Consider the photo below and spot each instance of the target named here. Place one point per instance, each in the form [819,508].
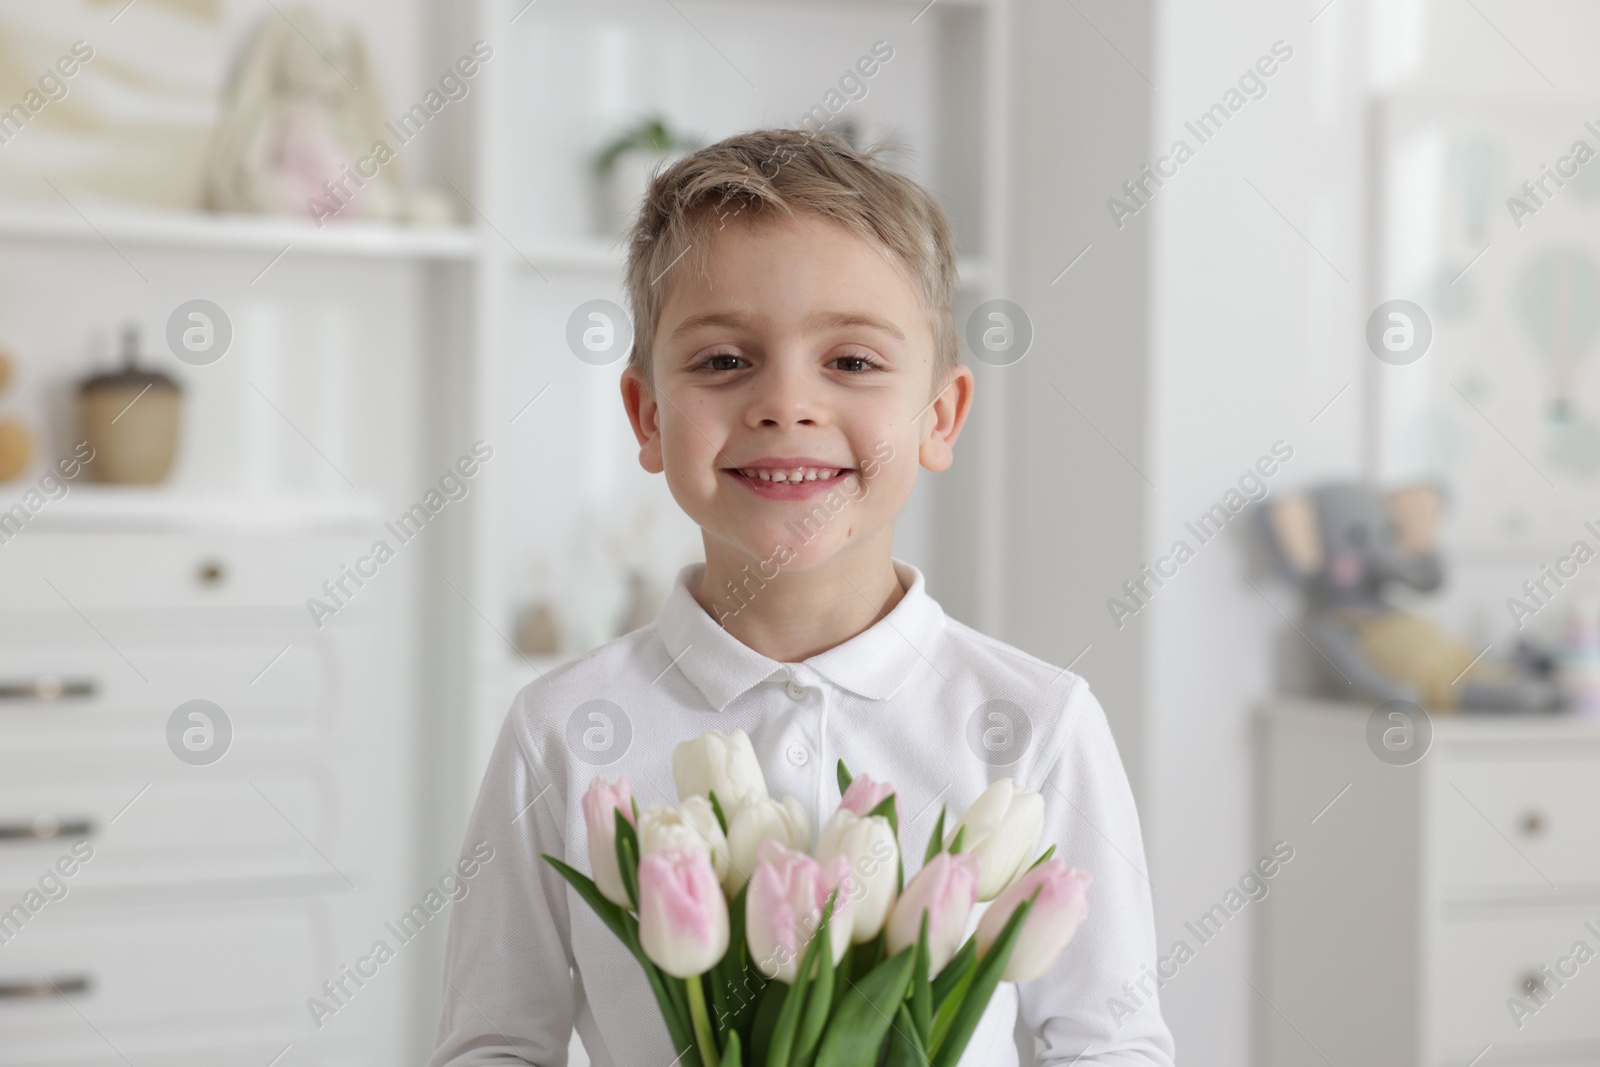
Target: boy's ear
[644,415]
[945,417]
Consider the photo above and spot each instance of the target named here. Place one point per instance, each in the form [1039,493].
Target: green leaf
[845,974]
[725,974]
[628,857]
[987,975]
[945,1010]
[905,1044]
[786,1035]
[672,1001]
[716,809]
[609,913]
[844,779]
[955,842]
[1046,854]
[730,1052]
[773,998]
[674,1010]
[819,999]
[960,966]
[741,980]
[678,990]
[886,808]
[721,1012]
[935,842]
[855,1034]
[872,956]
[921,989]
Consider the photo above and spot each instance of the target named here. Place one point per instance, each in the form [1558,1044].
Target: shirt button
[796,690]
[798,755]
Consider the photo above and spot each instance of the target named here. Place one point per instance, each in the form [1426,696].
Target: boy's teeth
[796,474]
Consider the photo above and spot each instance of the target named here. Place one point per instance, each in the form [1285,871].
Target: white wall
[1253,332]
[1248,273]
[1078,407]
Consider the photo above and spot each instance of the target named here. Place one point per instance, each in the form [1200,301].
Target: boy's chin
[786,550]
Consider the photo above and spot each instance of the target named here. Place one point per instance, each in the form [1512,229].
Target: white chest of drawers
[158,911]
[1437,911]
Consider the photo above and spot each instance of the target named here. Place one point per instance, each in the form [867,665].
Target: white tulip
[1052,920]
[691,825]
[1003,829]
[756,821]
[944,889]
[783,910]
[683,918]
[869,844]
[721,763]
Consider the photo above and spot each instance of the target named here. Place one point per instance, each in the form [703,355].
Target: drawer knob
[211,572]
[32,988]
[1533,824]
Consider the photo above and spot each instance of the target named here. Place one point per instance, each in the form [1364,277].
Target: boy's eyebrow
[820,320]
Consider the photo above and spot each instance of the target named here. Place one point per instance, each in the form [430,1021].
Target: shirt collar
[873,664]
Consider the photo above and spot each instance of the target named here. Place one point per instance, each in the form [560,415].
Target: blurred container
[130,418]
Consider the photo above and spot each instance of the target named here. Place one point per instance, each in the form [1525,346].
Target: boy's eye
[863,363]
[713,357]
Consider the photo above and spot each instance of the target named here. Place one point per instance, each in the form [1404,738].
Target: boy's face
[757,365]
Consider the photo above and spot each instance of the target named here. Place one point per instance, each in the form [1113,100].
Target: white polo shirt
[918,699]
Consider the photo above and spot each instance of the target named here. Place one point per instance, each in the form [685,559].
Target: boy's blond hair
[751,174]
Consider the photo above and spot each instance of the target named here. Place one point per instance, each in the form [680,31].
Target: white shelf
[249,233]
[89,507]
[236,233]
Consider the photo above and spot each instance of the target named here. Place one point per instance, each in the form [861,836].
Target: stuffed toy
[301,107]
[1344,544]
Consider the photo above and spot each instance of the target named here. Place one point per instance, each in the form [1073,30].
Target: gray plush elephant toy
[1344,544]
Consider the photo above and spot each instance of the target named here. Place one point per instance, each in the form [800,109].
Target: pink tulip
[1051,922]
[945,888]
[599,802]
[864,794]
[683,916]
[783,908]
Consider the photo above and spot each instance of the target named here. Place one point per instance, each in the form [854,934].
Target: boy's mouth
[789,477]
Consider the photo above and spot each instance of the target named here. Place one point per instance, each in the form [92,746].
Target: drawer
[1517,825]
[158,979]
[277,823]
[86,686]
[1481,963]
[157,570]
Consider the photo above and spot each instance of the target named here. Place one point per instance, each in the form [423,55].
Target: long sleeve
[509,994]
[1080,1010]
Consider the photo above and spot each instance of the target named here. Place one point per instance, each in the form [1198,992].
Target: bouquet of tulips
[764,950]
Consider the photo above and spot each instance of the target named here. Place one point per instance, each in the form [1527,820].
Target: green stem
[702,1022]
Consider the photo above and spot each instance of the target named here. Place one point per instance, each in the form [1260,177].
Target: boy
[795,360]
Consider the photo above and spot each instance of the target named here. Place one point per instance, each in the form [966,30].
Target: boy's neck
[796,615]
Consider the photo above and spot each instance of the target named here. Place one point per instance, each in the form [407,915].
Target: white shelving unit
[237,233]
[380,353]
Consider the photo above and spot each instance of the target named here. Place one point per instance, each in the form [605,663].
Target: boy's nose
[785,395]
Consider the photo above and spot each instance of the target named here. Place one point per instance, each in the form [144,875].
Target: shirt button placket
[796,752]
